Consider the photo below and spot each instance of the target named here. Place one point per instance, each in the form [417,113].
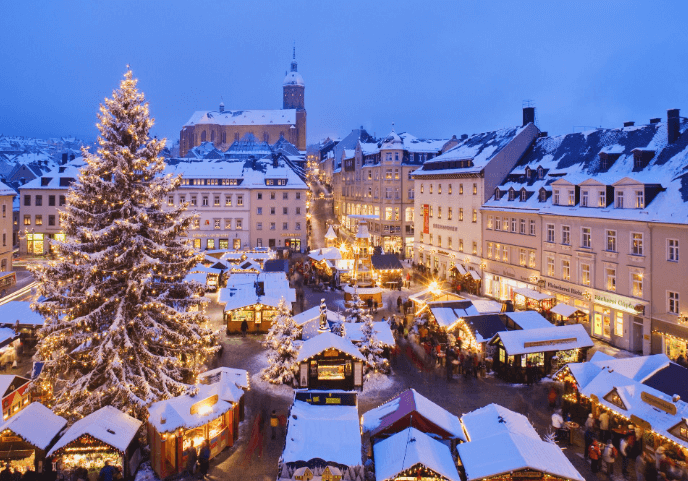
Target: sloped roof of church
[243,117]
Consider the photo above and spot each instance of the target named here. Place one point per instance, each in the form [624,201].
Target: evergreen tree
[355,309]
[370,347]
[122,327]
[282,351]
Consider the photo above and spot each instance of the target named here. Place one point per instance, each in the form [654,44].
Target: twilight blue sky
[433,68]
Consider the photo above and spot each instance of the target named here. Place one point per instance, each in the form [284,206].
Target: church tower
[293,87]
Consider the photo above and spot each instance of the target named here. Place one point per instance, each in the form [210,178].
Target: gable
[680,430]
[614,398]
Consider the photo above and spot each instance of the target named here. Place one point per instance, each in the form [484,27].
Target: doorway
[637,335]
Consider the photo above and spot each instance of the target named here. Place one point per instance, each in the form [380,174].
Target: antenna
[294,51]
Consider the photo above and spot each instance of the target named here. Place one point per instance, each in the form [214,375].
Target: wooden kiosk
[177,425]
[105,435]
[328,361]
[27,436]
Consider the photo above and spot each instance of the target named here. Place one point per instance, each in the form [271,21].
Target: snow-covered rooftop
[446,313]
[21,311]
[242,117]
[502,441]
[528,319]
[545,339]
[108,424]
[36,424]
[382,331]
[7,381]
[329,432]
[405,403]
[411,447]
[325,341]
[241,290]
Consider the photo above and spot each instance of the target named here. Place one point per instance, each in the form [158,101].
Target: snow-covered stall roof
[564,310]
[325,341]
[532,294]
[10,383]
[330,234]
[485,306]
[446,313]
[224,374]
[363,291]
[241,290]
[36,424]
[201,268]
[314,314]
[528,319]
[547,339]
[108,424]
[199,277]
[329,432]
[171,414]
[7,335]
[405,403]
[326,253]
[430,295]
[21,311]
[382,331]
[411,447]
[502,441]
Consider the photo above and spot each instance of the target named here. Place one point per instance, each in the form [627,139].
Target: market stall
[365,293]
[431,294]
[504,446]
[568,314]
[177,425]
[541,349]
[104,435]
[19,316]
[208,276]
[232,378]
[474,332]
[387,270]
[412,454]
[525,298]
[309,321]
[27,436]
[634,394]
[328,361]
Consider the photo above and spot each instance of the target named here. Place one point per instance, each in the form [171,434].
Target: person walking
[399,303]
[107,473]
[375,306]
[204,459]
[552,397]
[191,459]
[594,453]
[370,305]
[244,328]
[604,425]
[449,359]
[476,365]
[588,438]
[467,366]
[608,458]
[274,422]
[557,424]
[624,449]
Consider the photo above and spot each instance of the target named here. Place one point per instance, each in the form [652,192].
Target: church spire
[293,59]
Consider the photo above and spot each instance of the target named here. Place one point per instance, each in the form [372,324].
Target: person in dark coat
[370,305]
[244,327]
[192,457]
[450,363]
[399,303]
[204,459]
[107,473]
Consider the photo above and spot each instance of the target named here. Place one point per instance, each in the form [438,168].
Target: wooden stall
[328,361]
[541,349]
[387,270]
[563,313]
[177,425]
[365,293]
[26,437]
[529,299]
[104,435]
[15,394]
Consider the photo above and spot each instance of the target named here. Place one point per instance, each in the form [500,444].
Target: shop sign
[641,422]
[443,253]
[550,342]
[568,290]
[616,303]
[527,474]
[426,219]
[331,353]
[654,401]
[11,439]
[206,403]
[445,227]
[291,235]
[333,400]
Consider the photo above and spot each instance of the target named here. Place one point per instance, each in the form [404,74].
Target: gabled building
[597,219]
[450,188]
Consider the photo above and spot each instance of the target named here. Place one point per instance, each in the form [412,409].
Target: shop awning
[460,269]
[564,310]
[531,294]
[474,275]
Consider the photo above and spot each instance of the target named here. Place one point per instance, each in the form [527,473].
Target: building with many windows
[6,219]
[374,179]
[451,188]
[596,220]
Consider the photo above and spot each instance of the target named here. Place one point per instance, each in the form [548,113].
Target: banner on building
[426,219]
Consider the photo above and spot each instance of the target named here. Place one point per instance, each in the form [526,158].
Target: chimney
[673,124]
[222,106]
[528,115]
[629,124]
[656,120]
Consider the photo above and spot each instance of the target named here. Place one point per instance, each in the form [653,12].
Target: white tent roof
[324,341]
[328,432]
[330,234]
[326,253]
[36,424]
[531,294]
[564,310]
[409,447]
[485,306]
[547,339]
[108,424]
[528,319]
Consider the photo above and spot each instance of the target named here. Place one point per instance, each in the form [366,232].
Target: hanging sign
[550,342]
[654,401]
[206,403]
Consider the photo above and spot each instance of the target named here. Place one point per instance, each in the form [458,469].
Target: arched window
[498,194]
[203,136]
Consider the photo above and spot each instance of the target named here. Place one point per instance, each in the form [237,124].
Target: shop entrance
[603,319]
[637,338]
[293,244]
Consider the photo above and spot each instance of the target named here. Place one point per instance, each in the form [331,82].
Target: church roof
[293,78]
[243,117]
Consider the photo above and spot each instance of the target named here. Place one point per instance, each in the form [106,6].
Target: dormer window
[572,197]
[584,198]
[640,199]
[524,195]
[613,397]
[543,195]
[619,199]
[528,173]
[602,202]
[555,201]
[540,172]
[512,194]
[498,194]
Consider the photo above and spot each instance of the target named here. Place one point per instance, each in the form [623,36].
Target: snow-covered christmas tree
[122,327]
[355,308]
[282,351]
[370,347]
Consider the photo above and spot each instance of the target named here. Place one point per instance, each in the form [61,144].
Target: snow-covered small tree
[122,327]
[355,308]
[371,348]
[282,351]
